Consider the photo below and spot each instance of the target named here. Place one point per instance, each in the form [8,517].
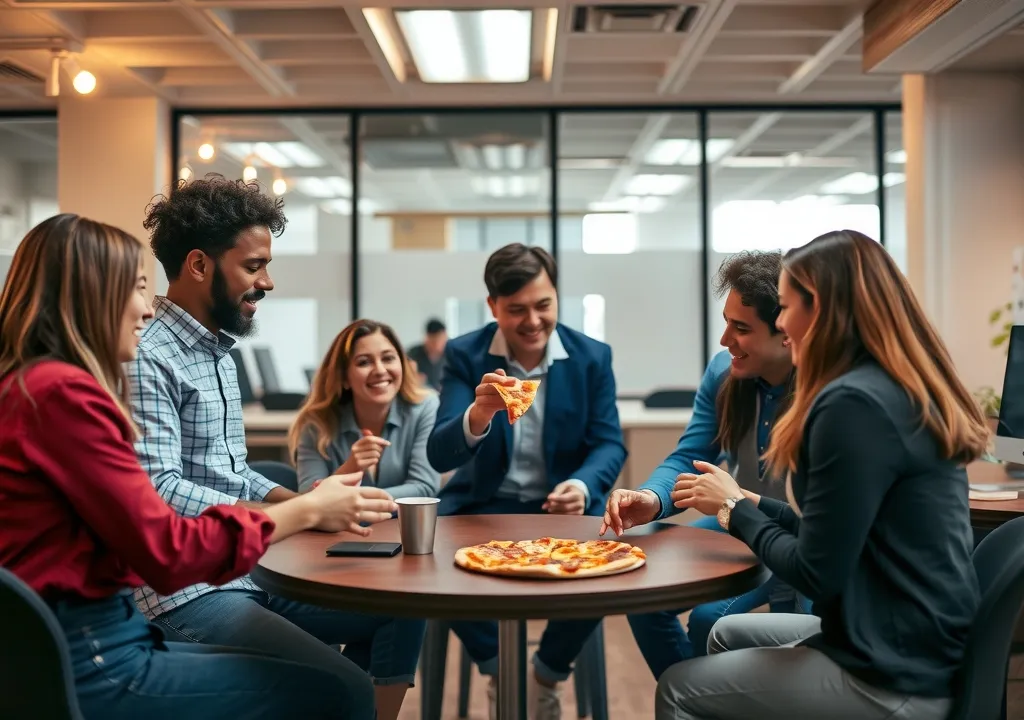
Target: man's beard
[226,312]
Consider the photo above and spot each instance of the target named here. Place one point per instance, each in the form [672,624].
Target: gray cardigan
[403,470]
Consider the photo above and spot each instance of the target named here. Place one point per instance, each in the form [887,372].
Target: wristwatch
[725,512]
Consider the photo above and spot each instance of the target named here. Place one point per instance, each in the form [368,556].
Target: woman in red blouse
[81,524]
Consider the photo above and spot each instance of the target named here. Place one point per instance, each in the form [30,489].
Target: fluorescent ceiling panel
[468,46]
[276,154]
[499,186]
[344,207]
[684,151]
[790,160]
[656,184]
[324,187]
[630,203]
[860,183]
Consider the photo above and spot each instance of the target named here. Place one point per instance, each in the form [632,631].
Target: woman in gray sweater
[367,412]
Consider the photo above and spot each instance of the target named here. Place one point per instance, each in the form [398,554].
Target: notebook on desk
[977,492]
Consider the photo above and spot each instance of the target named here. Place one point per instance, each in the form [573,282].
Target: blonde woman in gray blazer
[367,412]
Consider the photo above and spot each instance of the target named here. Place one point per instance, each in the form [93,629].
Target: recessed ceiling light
[469,46]
[657,184]
[324,187]
[860,183]
[684,151]
[275,154]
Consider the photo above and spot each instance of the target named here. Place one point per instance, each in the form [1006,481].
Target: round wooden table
[685,567]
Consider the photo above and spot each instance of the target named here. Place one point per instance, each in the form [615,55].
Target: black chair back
[284,475]
[267,369]
[244,384]
[35,663]
[675,398]
[999,564]
[282,400]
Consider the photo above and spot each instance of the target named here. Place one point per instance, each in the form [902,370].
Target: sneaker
[544,703]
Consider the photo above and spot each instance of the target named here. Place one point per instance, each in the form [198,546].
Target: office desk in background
[649,434]
[990,514]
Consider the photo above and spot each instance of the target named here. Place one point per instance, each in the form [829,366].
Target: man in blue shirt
[562,457]
[744,389]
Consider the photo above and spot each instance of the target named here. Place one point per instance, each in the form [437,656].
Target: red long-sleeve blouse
[79,516]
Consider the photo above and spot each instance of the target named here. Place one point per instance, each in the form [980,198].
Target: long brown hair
[755,278]
[862,306]
[328,391]
[65,298]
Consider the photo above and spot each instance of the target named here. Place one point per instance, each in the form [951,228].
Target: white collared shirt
[527,477]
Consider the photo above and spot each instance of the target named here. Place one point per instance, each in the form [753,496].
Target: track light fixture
[83,81]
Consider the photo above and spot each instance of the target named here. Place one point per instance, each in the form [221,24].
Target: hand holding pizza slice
[518,398]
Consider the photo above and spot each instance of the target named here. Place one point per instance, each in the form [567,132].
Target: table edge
[442,606]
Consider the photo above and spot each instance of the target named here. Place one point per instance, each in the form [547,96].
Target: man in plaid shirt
[213,238]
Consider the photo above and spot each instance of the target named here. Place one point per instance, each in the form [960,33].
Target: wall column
[964,138]
[114,155]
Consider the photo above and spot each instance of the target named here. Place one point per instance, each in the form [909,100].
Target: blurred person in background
[428,356]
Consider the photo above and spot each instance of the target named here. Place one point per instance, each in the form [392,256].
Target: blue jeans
[662,640]
[561,641]
[124,670]
[386,648]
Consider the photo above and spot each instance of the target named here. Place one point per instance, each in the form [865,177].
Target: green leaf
[1000,339]
[993,318]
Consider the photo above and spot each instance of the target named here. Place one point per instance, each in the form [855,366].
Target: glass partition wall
[28,178]
[392,213]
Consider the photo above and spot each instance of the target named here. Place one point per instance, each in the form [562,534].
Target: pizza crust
[518,398]
[550,558]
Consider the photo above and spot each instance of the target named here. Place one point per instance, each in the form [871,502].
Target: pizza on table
[518,398]
[551,558]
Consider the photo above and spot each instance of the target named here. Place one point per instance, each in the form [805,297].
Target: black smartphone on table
[364,549]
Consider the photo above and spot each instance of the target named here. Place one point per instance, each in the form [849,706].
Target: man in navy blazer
[562,457]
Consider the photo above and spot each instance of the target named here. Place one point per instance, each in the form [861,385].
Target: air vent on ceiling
[659,18]
[9,72]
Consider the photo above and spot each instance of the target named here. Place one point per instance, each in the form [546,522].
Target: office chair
[673,398]
[284,475]
[282,400]
[244,385]
[980,692]
[36,680]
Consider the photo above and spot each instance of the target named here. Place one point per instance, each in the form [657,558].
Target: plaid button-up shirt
[185,399]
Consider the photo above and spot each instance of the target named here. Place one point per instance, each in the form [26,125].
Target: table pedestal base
[511,670]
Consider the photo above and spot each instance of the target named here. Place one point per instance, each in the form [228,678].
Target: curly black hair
[208,215]
[755,276]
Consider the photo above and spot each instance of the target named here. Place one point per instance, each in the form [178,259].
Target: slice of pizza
[518,398]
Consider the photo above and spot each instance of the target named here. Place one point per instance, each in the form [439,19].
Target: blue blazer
[582,434]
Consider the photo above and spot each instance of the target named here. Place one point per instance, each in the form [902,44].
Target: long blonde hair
[861,305]
[65,298]
[328,391]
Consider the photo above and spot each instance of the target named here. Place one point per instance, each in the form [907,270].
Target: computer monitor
[267,369]
[1009,440]
[244,386]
